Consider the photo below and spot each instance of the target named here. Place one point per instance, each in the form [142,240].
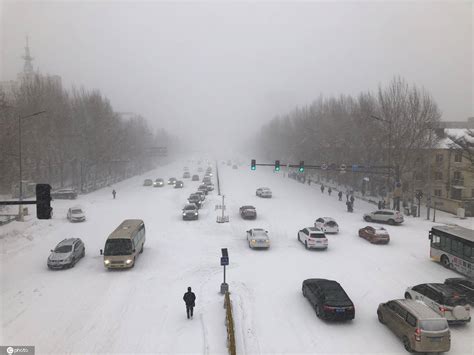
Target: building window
[458,157]
[439,158]
[437,192]
[457,175]
[438,175]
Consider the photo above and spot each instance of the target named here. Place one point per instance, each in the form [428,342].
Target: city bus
[453,247]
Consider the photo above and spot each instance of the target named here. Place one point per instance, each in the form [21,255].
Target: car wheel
[298,236]
[306,244]
[318,311]
[367,219]
[407,296]
[391,222]
[141,251]
[406,344]
[445,261]
[133,265]
[380,317]
[83,253]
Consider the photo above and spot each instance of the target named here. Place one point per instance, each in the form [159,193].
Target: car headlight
[129,261]
[184,213]
[106,262]
[195,213]
[253,240]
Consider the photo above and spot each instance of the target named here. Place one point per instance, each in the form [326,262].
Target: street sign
[224,260]
[355,167]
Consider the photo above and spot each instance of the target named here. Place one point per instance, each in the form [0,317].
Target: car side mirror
[266,231]
[52,251]
[101,252]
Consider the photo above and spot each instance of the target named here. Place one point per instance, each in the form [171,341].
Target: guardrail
[229,322]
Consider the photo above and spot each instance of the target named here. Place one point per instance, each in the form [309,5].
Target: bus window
[436,241]
[468,252]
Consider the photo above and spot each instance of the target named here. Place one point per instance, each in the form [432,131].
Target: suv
[263,192]
[66,254]
[462,285]
[203,188]
[327,224]
[312,237]
[172,181]
[159,183]
[248,212]
[419,327]
[76,214]
[190,211]
[69,194]
[443,299]
[195,178]
[195,199]
[388,216]
[178,184]
[328,299]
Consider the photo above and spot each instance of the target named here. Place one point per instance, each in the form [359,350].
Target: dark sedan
[463,286]
[195,199]
[178,184]
[328,299]
[248,212]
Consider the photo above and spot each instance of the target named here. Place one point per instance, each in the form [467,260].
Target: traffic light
[301,166]
[253,164]
[43,201]
[277,165]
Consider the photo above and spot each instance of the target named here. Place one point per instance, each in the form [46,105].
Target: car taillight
[442,309]
[418,334]
[328,308]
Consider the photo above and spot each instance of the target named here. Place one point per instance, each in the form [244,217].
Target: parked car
[178,184]
[375,235]
[263,192]
[186,175]
[148,182]
[76,214]
[443,299]
[195,199]
[203,188]
[201,194]
[385,216]
[248,212]
[159,183]
[185,168]
[420,328]
[172,181]
[64,194]
[258,238]
[327,225]
[66,254]
[464,286]
[328,299]
[195,178]
[313,237]
[190,211]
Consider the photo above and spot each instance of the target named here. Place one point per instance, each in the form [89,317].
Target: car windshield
[76,211]
[259,233]
[331,224]
[63,249]
[189,208]
[433,325]
[317,235]
[118,247]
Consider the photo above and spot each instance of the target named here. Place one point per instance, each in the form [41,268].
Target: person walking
[340,195]
[379,205]
[383,204]
[114,193]
[329,191]
[189,298]
[322,188]
[352,200]
[309,181]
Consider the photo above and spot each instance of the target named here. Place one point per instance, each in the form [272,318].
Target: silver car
[263,192]
[385,216]
[66,254]
[76,214]
[258,238]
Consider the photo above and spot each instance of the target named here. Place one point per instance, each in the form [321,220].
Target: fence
[229,322]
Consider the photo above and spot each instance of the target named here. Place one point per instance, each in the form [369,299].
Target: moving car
[328,299]
[148,182]
[76,214]
[327,225]
[195,199]
[385,216]
[195,178]
[210,186]
[375,235]
[172,181]
[443,299]
[201,194]
[178,184]
[248,212]
[312,237]
[124,244]
[263,192]
[66,254]
[419,327]
[203,188]
[190,211]
[464,286]
[206,180]
[258,238]
[186,175]
[159,183]
[67,194]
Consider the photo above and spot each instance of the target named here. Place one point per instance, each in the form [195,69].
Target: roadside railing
[229,322]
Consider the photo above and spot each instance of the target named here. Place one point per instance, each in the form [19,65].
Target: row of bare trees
[79,141]
[392,125]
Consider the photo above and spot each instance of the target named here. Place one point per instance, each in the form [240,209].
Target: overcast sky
[224,68]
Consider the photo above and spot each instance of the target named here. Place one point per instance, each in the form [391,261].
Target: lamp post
[20,212]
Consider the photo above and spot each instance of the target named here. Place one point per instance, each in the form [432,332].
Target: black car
[248,212]
[172,181]
[195,178]
[328,299]
[190,211]
[67,194]
[196,199]
[463,286]
[178,184]
[203,188]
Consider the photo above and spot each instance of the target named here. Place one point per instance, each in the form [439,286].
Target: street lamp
[20,212]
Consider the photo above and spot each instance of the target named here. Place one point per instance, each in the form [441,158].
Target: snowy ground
[88,309]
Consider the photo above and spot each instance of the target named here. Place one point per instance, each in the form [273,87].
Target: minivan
[124,244]
[419,327]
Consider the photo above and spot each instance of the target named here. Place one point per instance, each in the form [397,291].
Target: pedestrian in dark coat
[379,205]
[329,190]
[189,298]
[340,195]
[322,188]
[352,200]
[383,204]
[309,182]
[114,193]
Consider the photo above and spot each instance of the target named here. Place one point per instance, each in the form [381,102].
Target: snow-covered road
[88,309]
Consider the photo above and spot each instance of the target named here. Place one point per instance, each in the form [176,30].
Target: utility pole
[428,202]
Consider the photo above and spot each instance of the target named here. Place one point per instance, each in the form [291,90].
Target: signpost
[224,263]
[223,218]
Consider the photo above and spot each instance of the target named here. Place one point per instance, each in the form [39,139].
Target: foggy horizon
[214,73]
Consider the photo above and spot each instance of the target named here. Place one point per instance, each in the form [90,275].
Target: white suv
[313,237]
[388,216]
[327,224]
[263,192]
